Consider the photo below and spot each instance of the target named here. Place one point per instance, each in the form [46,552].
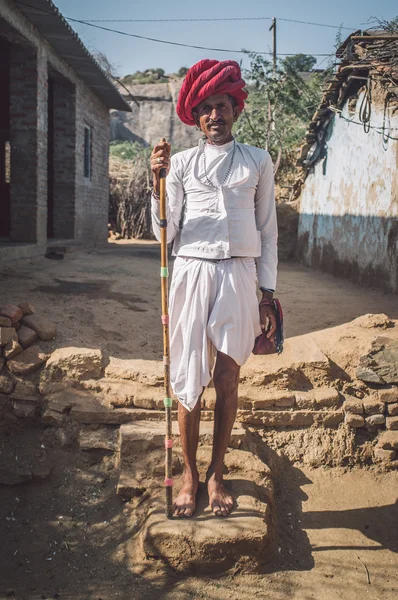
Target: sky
[128,54]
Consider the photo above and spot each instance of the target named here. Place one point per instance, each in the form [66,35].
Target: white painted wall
[349,204]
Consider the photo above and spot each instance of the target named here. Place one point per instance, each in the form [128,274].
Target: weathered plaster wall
[349,204]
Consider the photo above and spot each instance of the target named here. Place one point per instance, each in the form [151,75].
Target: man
[221,217]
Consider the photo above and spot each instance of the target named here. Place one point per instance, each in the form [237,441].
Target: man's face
[215,117]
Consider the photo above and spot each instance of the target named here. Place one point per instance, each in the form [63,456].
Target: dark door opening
[5,167]
[50,161]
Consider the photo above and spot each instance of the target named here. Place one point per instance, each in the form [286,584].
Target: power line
[143,37]
[215,19]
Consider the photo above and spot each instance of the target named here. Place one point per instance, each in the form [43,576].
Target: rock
[353,405]
[380,364]
[27,361]
[94,413]
[375,420]
[27,308]
[6,384]
[370,321]
[142,371]
[388,395]
[52,418]
[26,336]
[128,486]
[372,405]
[25,410]
[316,398]
[297,418]
[44,328]
[354,420]
[12,312]
[63,400]
[7,334]
[392,423]
[100,439]
[392,409]
[12,348]
[74,363]
[2,362]
[25,392]
[274,398]
[384,455]
[5,322]
[388,440]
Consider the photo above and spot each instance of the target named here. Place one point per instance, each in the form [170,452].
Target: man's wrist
[267,293]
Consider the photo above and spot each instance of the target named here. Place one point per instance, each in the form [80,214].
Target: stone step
[146,436]
[205,543]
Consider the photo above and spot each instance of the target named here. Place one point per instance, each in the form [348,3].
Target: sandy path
[110,298]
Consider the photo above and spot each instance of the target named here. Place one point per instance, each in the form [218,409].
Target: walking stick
[164,278]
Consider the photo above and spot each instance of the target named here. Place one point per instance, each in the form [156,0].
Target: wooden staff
[164,275]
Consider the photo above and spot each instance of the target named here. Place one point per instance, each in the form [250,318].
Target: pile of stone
[20,330]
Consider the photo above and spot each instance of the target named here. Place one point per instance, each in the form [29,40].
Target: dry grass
[130,197]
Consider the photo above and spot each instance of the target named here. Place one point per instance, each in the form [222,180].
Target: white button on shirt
[236,219]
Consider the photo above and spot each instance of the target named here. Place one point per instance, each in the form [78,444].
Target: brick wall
[80,204]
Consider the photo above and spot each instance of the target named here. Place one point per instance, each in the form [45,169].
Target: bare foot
[220,500]
[185,503]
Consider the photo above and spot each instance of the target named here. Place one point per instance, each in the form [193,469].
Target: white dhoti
[213,307]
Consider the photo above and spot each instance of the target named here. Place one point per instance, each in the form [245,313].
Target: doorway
[5,151]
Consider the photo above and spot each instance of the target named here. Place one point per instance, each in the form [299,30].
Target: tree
[279,107]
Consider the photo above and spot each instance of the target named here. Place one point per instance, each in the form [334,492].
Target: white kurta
[213,305]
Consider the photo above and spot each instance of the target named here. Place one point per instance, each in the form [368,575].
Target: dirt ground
[70,536]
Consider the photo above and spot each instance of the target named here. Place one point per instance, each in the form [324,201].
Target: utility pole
[273,27]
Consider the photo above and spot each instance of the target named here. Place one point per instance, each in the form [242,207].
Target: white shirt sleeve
[174,202]
[265,212]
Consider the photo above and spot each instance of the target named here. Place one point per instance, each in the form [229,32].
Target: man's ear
[237,112]
[196,118]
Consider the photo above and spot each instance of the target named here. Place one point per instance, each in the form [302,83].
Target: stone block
[99,439]
[25,410]
[354,420]
[128,486]
[6,384]
[329,418]
[27,308]
[372,405]
[392,423]
[392,409]
[388,395]
[274,398]
[12,348]
[27,361]
[317,398]
[26,336]
[63,400]
[142,371]
[375,420]
[382,455]
[93,413]
[12,312]
[73,363]
[7,334]
[46,330]
[353,406]
[5,322]
[53,418]
[25,392]
[388,440]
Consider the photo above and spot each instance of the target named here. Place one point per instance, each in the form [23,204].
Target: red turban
[207,78]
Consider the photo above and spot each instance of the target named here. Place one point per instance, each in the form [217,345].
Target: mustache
[216,122]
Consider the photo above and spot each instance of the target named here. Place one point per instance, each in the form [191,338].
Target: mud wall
[349,204]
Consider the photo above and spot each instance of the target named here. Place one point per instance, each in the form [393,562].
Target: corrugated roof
[47,19]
